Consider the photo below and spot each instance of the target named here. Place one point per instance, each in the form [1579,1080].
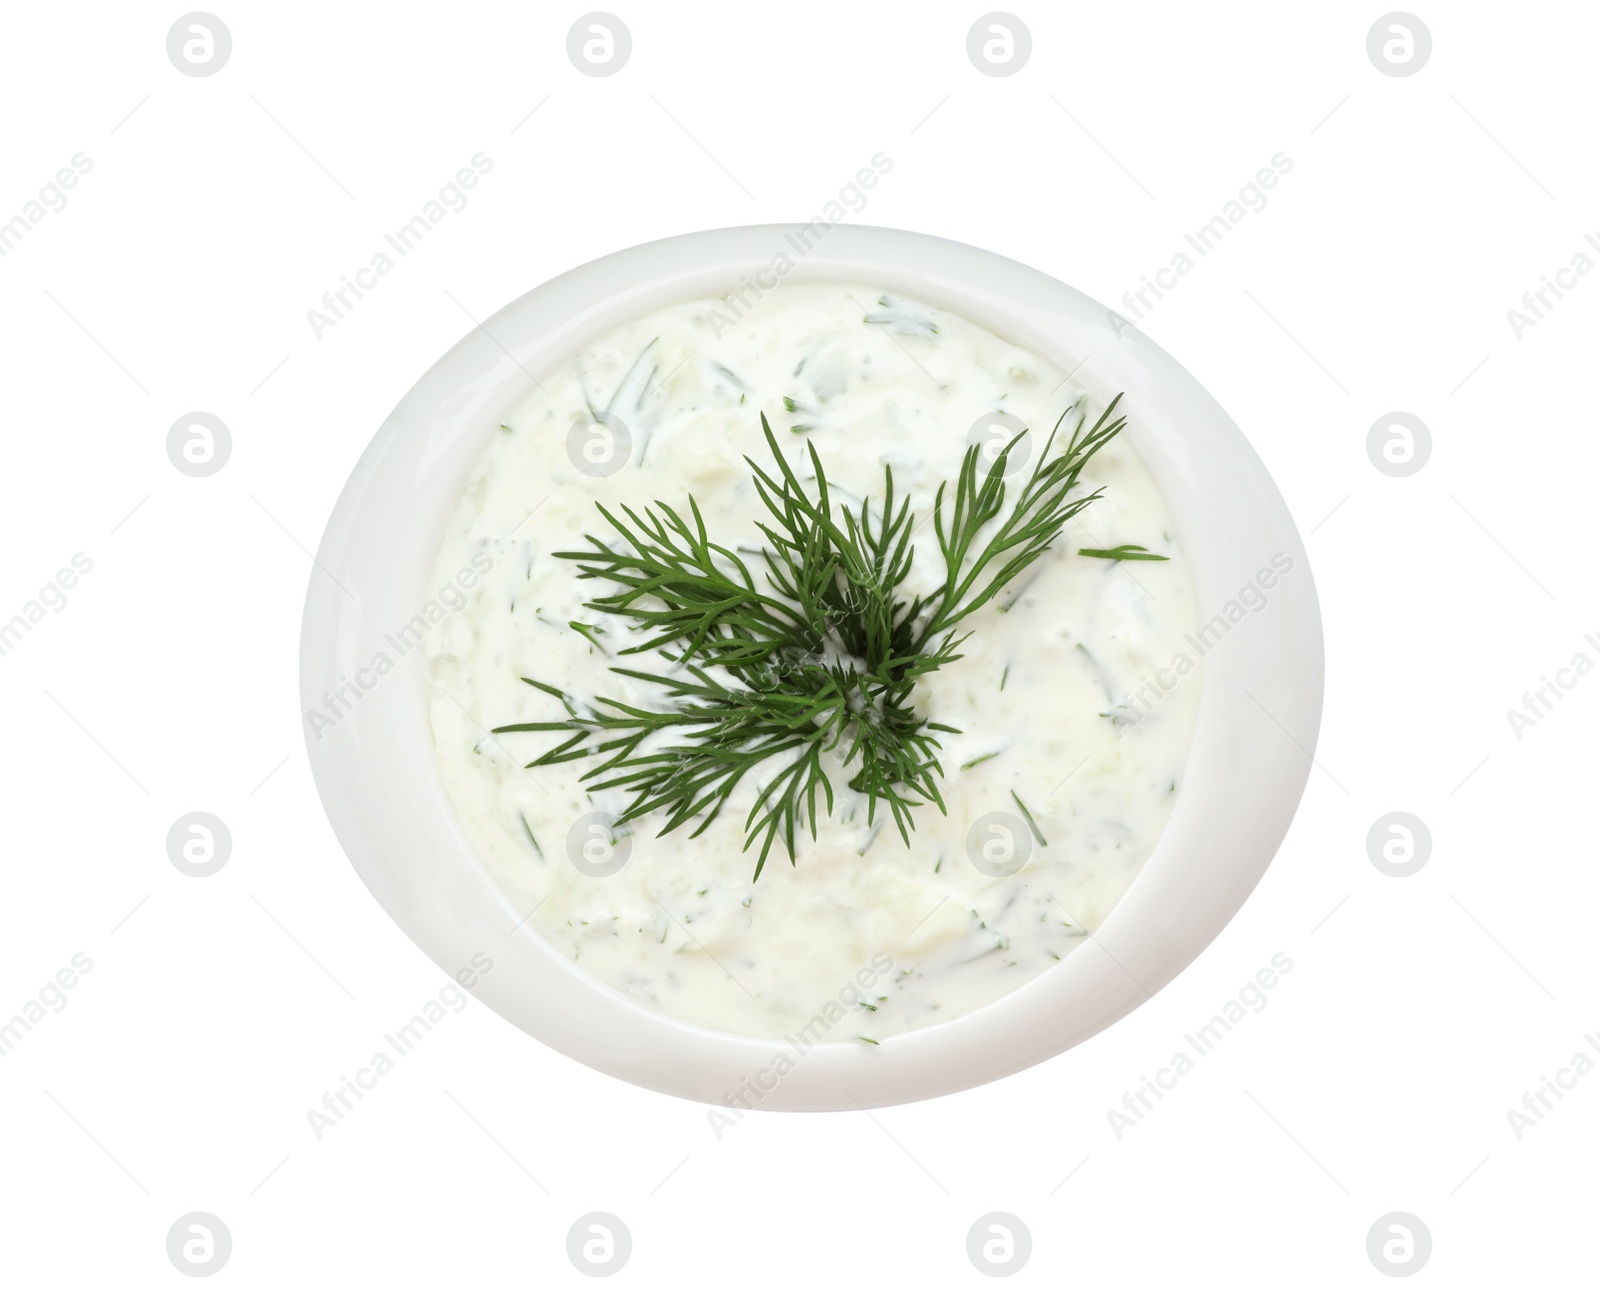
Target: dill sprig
[820,657]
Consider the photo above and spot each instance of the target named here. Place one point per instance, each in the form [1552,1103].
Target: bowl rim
[1255,734]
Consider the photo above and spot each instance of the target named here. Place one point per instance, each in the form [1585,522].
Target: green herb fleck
[590,633]
[528,829]
[1127,551]
[1028,816]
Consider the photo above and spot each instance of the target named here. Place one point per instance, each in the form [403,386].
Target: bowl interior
[1260,666]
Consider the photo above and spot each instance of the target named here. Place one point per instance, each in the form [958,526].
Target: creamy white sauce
[1041,694]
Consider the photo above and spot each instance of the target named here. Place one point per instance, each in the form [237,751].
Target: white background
[219,1010]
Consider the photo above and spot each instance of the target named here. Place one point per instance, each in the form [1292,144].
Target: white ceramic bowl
[1259,709]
